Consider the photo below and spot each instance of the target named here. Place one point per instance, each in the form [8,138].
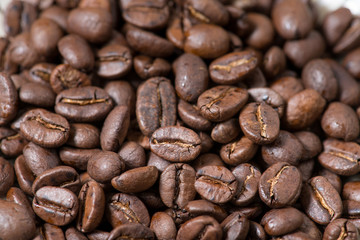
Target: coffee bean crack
[233,64]
[322,201]
[212,180]
[344,156]
[273,181]
[128,212]
[198,15]
[49,125]
[248,177]
[263,125]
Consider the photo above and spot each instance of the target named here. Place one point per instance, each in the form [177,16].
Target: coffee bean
[7,176]
[45,128]
[207,159]
[104,166]
[175,144]
[57,14]
[349,39]
[260,123]
[73,233]
[280,185]
[333,178]
[147,67]
[158,221]
[321,201]
[274,61]
[37,94]
[209,11]
[263,31]
[341,228]
[83,136]
[190,114]
[226,131]
[19,197]
[122,93]
[22,52]
[270,97]
[77,158]
[256,231]
[239,151]
[131,231]
[222,102]
[287,87]
[24,175]
[335,24]
[235,226]
[155,105]
[133,155]
[40,73]
[8,99]
[351,191]
[351,62]
[202,227]
[55,205]
[311,144]
[84,104]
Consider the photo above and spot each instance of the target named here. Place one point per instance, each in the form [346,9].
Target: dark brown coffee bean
[302,51]
[122,93]
[340,121]
[216,184]
[274,61]
[175,31]
[151,199]
[83,136]
[175,144]
[149,43]
[73,233]
[296,117]
[18,80]
[286,148]
[15,222]
[201,207]
[158,162]
[104,166]
[226,131]
[222,102]
[260,123]
[239,151]
[77,52]
[8,99]
[202,227]
[136,180]
[209,11]
[207,41]
[235,226]
[147,67]
[341,228]
[60,176]
[18,17]
[37,94]
[207,159]
[115,128]
[55,205]
[191,116]
[349,39]
[93,24]
[91,206]
[163,226]
[123,208]
[287,87]
[40,73]
[263,31]
[333,178]
[7,176]
[45,128]
[292,19]
[176,185]
[256,231]
[282,221]
[233,67]
[351,62]
[131,231]
[311,143]
[83,104]
[248,178]
[206,142]
[57,14]
[77,158]
[191,76]
[18,196]
[24,175]
[340,157]
[65,76]
[270,97]
[351,209]
[98,235]
[280,185]
[45,35]
[351,191]
[22,52]
[335,23]
[133,155]
[320,200]
[155,105]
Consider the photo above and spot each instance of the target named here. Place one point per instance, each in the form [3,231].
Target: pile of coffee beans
[179,119]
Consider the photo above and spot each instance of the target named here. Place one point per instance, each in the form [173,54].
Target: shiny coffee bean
[131,231]
[190,115]
[37,94]
[239,151]
[147,67]
[8,99]
[235,226]
[163,226]
[202,227]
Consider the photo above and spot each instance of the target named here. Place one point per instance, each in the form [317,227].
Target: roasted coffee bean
[260,123]
[207,41]
[57,14]
[349,39]
[12,146]
[104,166]
[280,185]
[131,231]
[233,67]
[55,205]
[45,35]
[201,207]
[18,17]
[239,151]
[136,180]
[190,115]
[45,128]
[341,228]
[256,231]
[176,32]
[77,52]
[351,209]
[18,196]
[83,104]
[122,208]
[115,128]
[151,199]
[158,162]
[318,75]
[207,159]
[235,226]
[340,121]
[113,61]
[270,97]
[24,175]
[163,226]
[37,94]
[77,158]
[191,76]
[176,185]
[149,43]
[216,184]
[147,67]
[133,155]
[320,200]
[340,157]
[351,191]
[122,93]
[226,131]
[335,24]
[73,233]
[15,222]
[351,62]
[274,61]
[248,178]
[155,105]
[175,144]
[98,235]
[93,24]
[8,99]
[91,206]
[41,72]
[286,148]
[202,227]
[60,176]
[287,87]
[333,178]
[7,176]
[83,136]
[65,76]
[292,19]
[282,221]
[263,31]
[206,142]
[311,144]
[222,102]
[209,11]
